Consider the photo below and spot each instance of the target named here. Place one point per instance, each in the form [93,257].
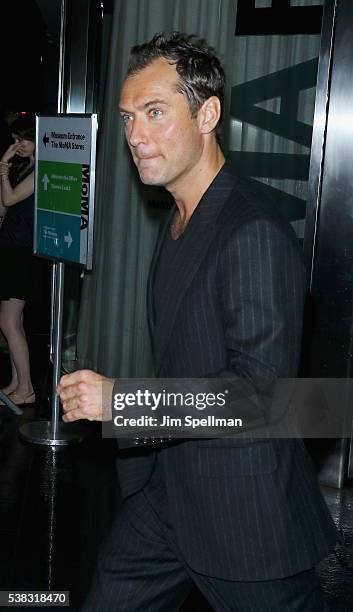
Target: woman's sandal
[21,400]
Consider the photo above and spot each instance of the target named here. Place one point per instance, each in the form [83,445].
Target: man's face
[164,140]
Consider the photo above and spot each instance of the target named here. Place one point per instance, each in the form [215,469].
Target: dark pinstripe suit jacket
[240,509]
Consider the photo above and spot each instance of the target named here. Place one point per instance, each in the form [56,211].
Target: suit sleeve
[262,292]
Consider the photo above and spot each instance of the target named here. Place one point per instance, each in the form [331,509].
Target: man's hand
[86,395]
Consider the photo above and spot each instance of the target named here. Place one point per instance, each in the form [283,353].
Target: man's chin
[147,179]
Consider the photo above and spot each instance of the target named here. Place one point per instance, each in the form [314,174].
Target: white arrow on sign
[68,239]
[45,181]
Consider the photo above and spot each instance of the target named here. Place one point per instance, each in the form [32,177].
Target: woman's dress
[20,270]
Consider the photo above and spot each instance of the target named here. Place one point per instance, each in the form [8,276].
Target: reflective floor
[336,572]
[57,504]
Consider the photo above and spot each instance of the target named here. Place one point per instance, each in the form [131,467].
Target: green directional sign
[59,186]
[65,188]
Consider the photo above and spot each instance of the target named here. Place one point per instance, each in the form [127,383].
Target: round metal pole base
[39,432]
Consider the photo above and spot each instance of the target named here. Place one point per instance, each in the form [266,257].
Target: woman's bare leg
[14,379]
[11,323]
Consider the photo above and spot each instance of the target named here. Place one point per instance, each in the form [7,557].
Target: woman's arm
[10,152]
[12,195]
[2,213]
[4,172]
[8,194]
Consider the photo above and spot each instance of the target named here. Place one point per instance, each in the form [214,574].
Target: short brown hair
[200,71]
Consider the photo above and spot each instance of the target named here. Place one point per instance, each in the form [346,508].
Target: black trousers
[141,569]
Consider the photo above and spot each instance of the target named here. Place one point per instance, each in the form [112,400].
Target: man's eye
[125,119]
[155,112]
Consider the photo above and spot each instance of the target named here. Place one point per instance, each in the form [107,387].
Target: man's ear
[209,114]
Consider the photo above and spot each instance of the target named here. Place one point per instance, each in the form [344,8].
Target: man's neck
[188,194]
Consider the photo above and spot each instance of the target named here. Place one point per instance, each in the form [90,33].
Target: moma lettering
[84,196]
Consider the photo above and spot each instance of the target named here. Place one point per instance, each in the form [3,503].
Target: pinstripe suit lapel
[195,243]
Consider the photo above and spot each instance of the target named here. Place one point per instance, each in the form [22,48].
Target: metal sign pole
[59,291]
[38,432]
[52,310]
[53,432]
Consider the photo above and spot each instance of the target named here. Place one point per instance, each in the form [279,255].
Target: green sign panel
[59,186]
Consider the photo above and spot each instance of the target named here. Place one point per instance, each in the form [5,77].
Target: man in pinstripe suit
[242,518]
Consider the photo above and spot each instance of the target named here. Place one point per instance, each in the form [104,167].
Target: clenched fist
[86,395]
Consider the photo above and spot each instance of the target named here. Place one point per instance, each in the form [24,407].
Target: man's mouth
[146,162]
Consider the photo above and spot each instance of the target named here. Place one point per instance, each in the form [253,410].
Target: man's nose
[137,133]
